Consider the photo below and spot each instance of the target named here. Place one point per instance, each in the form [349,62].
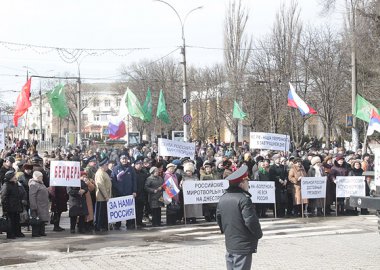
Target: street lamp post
[183,52]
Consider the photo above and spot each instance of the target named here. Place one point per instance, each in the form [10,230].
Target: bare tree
[236,54]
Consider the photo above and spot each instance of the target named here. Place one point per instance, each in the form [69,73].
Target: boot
[35,230]
[42,229]
[57,228]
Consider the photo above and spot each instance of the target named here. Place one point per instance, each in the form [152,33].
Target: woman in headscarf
[39,204]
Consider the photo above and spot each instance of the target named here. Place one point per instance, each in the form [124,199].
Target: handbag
[34,221]
[3,224]
[24,217]
[172,209]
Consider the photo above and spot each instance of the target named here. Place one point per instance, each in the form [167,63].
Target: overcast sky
[120,24]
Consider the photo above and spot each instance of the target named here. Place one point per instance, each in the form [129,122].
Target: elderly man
[237,219]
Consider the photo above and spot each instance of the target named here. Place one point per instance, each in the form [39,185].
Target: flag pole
[365,138]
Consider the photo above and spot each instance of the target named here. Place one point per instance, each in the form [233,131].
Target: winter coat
[11,197]
[77,202]
[192,210]
[260,176]
[141,177]
[39,200]
[153,183]
[90,206]
[294,173]
[312,173]
[59,198]
[277,172]
[236,217]
[3,171]
[24,180]
[124,181]
[103,186]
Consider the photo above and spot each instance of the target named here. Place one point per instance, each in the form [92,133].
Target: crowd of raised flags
[131,106]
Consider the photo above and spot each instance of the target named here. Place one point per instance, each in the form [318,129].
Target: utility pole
[78,111]
[185,101]
[355,135]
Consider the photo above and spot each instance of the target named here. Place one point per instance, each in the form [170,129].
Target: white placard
[203,192]
[270,141]
[262,191]
[121,208]
[2,137]
[65,173]
[313,187]
[347,186]
[377,167]
[172,148]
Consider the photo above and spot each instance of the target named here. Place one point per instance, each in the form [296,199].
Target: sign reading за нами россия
[269,141]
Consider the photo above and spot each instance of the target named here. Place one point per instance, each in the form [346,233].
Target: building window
[85,117]
[118,101]
[103,117]
[84,103]
[96,117]
[48,113]
[107,103]
[96,102]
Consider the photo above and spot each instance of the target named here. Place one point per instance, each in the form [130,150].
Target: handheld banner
[121,208]
[175,148]
[377,167]
[347,186]
[269,141]
[65,173]
[203,192]
[262,191]
[313,187]
[2,137]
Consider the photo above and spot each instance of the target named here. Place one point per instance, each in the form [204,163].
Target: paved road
[314,243]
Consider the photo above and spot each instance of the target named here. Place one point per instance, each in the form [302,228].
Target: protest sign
[377,167]
[65,173]
[121,208]
[2,137]
[262,191]
[313,187]
[175,148]
[203,192]
[347,186]
[269,141]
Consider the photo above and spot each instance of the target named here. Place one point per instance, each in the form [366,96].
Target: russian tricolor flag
[116,128]
[374,123]
[296,102]
[170,187]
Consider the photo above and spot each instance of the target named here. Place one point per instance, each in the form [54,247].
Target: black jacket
[11,197]
[141,177]
[237,219]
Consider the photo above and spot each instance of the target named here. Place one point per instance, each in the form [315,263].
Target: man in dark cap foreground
[237,219]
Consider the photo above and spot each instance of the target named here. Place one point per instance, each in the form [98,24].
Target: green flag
[147,107]
[134,106]
[161,109]
[363,108]
[57,101]
[238,113]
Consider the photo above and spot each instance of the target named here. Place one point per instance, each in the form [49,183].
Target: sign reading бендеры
[269,141]
[121,208]
[65,173]
[313,187]
[347,186]
[203,192]
[172,148]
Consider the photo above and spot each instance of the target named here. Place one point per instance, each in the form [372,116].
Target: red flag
[23,102]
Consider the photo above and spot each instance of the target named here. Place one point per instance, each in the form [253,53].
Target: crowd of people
[28,200]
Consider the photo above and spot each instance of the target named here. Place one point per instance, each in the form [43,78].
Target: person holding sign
[78,205]
[316,170]
[237,219]
[340,168]
[103,194]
